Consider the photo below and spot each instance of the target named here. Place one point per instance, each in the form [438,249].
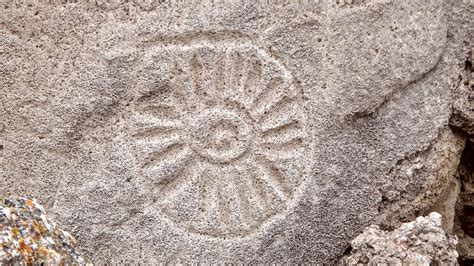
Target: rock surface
[421,242]
[463,106]
[28,237]
[435,188]
[464,222]
[228,132]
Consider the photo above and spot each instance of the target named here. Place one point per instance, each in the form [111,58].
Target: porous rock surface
[463,106]
[227,131]
[29,237]
[421,242]
[435,188]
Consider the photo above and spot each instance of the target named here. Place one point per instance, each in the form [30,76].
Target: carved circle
[220,135]
[220,132]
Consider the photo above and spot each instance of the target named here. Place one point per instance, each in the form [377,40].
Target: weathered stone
[226,132]
[463,106]
[421,242]
[29,237]
[464,220]
[424,182]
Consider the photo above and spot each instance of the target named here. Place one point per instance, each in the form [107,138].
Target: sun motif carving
[220,133]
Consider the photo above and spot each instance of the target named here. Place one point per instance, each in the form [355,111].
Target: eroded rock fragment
[27,236]
[421,242]
[463,106]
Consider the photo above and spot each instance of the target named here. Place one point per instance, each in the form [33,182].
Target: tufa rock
[463,106]
[228,131]
[28,237]
[421,242]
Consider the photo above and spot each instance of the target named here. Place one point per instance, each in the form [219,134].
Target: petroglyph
[220,132]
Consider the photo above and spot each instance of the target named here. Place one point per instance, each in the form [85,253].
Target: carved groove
[232,113]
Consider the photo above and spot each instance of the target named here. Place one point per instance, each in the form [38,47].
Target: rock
[28,237]
[421,242]
[435,188]
[228,132]
[464,220]
[463,106]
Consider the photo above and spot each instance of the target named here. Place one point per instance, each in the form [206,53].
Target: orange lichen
[24,247]
[28,237]
[15,232]
[29,203]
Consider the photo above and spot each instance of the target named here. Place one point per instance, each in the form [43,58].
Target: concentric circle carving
[220,133]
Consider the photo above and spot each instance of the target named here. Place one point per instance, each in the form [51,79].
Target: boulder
[229,132]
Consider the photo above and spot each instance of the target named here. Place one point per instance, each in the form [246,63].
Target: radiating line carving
[221,134]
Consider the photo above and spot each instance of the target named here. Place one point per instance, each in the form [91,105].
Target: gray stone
[424,182]
[226,132]
[463,106]
[421,242]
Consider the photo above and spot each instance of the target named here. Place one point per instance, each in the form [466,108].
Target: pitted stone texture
[220,132]
[463,106]
[367,84]
[435,188]
[27,236]
[421,242]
